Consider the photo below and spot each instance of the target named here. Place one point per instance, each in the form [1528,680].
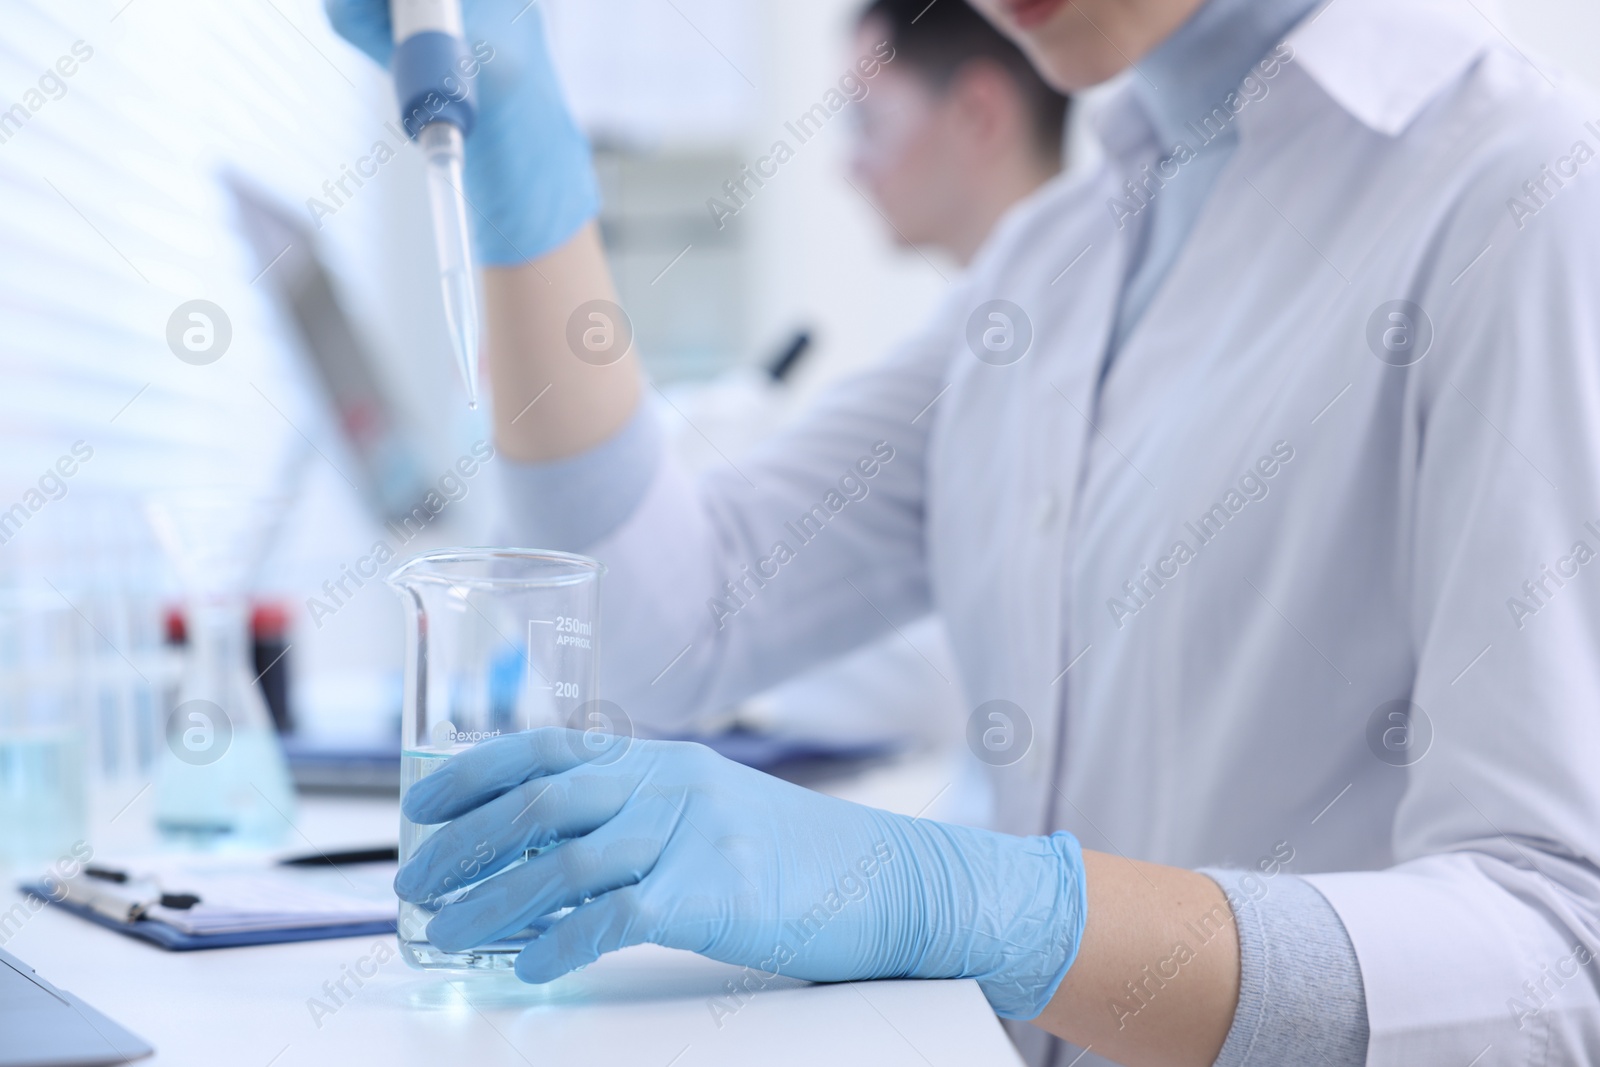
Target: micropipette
[433,79]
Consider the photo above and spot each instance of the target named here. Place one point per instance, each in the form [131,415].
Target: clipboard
[172,939]
[229,907]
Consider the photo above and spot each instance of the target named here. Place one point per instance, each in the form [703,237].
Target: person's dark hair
[941,38]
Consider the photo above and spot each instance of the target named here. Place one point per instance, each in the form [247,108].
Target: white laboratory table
[647,1006]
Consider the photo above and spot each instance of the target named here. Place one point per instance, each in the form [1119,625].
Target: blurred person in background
[1232,465]
[957,129]
[954,133]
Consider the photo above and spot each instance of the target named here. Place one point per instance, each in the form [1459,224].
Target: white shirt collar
[1384,61]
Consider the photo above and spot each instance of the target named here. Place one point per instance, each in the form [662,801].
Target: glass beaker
[497,641]
[43,729]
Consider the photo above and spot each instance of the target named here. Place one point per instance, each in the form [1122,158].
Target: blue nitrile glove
[530,182]
[668,843]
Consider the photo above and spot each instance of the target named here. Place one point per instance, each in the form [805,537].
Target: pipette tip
[444,148]
[461,313]
[468,365]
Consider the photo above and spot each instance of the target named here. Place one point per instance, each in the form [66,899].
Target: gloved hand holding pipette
[529,183]
[668,843]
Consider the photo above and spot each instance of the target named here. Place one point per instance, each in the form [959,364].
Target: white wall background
[1566,32]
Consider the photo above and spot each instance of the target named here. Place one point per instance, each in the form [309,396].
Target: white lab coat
[1233,703]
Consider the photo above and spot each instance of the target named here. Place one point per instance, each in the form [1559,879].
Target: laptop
[46,1027]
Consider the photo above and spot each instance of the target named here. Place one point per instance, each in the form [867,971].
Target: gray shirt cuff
[1301,999]
[570,504]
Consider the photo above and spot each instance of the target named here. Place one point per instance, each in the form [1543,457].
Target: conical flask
[222,777]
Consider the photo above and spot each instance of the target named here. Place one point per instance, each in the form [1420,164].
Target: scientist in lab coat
[1256,474]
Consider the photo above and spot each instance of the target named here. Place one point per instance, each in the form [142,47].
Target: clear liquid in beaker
[416,765]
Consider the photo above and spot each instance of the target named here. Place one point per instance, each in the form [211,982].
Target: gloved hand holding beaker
[530,181]
[671,844]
